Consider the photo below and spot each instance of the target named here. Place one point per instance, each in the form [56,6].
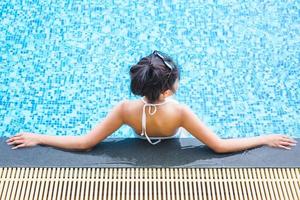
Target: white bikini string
[144,119]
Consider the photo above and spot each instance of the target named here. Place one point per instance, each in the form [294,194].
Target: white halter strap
[151,113]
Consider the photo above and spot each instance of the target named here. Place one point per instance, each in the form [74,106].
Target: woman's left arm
[111,123]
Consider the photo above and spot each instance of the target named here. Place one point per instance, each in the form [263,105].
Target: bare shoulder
[189,116]
[128,105]
[184,111]
[121,104]
[127,102]
[184,108]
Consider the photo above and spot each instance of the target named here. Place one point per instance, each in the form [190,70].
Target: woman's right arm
[199,130]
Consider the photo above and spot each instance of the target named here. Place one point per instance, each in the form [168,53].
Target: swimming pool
[65,64]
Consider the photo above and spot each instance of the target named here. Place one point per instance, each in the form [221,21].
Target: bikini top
[151,113]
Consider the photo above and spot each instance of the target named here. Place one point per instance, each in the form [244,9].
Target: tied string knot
[150,108]
[144,118]
[149,111]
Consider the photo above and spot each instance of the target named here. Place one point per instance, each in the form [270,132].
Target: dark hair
[148,77]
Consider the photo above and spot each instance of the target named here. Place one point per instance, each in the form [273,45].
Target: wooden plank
[148,183]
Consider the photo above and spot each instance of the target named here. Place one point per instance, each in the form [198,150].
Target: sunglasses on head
[167,63]
[161,55]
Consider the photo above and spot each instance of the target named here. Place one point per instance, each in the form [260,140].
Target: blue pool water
[65,64]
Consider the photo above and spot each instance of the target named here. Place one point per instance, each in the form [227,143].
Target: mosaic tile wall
[65,64]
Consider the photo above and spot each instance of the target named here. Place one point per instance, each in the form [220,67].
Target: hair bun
[148,77]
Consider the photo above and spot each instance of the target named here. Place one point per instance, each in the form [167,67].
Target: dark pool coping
[134,152]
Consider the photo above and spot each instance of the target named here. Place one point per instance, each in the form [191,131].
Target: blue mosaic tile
[65,64]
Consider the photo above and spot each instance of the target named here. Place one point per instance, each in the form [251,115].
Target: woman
[156,79]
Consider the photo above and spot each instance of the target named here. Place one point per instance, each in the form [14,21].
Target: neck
[161,100]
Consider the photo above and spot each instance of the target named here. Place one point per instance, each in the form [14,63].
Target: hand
[24,139]
[279,140]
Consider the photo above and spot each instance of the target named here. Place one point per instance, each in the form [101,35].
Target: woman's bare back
[164,123]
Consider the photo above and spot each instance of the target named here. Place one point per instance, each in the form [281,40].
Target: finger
[284,147]
[293,140]
[18,146]
[287,143]
[289,138]
[19,134]
[14,138]
[10,139]
[16,142]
